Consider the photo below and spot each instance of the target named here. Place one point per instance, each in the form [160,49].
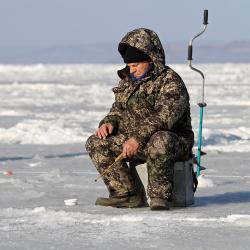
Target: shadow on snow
[18,158]
[226,198]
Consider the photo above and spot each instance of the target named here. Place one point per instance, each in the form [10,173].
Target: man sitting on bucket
[149,120]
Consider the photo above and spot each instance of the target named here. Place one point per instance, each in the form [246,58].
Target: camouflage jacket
[159,101]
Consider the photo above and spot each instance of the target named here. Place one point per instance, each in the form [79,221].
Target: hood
[147,41]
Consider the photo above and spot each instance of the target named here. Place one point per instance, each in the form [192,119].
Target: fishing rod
[110,167]
[201,104]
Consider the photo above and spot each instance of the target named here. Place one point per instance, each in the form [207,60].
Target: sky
[68,22]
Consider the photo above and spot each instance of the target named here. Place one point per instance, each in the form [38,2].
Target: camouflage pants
[160,153]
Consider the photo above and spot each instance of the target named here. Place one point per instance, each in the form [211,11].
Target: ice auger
[201,104]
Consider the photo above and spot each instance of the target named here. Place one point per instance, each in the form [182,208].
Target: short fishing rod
[201,104]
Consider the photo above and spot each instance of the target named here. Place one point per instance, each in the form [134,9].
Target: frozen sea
[46,114]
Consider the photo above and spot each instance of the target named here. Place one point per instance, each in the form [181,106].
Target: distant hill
[234,52]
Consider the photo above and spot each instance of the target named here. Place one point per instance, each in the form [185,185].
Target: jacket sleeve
[171,103]
[113,116]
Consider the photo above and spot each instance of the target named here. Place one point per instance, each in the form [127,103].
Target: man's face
[138,68]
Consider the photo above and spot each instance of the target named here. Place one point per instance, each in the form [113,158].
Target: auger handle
[190,52]
[205,17]
[190,46]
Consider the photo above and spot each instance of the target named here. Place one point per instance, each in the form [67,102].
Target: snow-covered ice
[205,182]
[60,104]
[48,111]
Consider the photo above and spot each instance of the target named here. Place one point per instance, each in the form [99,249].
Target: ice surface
[205,182]
[48,111]
[33,214]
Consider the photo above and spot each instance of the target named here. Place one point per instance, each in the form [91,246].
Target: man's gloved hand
[130,148]
[105,130]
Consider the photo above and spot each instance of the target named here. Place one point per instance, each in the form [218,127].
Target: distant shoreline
[233,52]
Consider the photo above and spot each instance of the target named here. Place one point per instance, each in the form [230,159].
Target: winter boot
[137,201]
[158,204]
[112,201]
[127,201]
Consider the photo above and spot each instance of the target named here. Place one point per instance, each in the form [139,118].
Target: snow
[60,104]
[48,111]
[205,182]
[41,132]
